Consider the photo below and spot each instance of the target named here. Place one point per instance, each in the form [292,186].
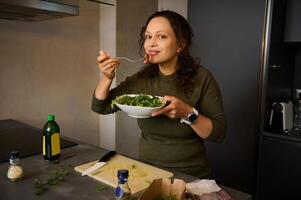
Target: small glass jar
[122,191]
[15,171]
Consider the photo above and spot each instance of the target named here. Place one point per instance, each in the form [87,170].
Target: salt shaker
[15,171]
[123,191]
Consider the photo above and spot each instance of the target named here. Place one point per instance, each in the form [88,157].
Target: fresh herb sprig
[101,187]
[54,179]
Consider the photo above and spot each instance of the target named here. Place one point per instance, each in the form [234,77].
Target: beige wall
[107,39]
[131,16]
[49,67]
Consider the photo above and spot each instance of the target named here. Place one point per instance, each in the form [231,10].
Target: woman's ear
[181,46]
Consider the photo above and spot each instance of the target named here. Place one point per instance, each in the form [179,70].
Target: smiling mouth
[153,53]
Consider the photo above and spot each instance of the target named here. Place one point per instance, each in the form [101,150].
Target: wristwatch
[191,118]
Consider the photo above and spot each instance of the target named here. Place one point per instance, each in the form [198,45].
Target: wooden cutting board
[140,174]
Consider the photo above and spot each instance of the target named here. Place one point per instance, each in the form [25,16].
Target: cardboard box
[165,187]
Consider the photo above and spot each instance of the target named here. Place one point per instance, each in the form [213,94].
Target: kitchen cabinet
[243,44]
[279,151]
[293,21]
[280,169]
[281,67]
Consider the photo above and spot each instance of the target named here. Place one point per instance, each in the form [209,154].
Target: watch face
[192,117]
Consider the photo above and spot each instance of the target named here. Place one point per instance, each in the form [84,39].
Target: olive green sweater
[166,142]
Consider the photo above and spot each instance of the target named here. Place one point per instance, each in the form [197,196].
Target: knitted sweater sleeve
[211,106]
[128,86]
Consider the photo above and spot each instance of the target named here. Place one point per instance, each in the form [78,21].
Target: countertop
[26,139]
[75,186]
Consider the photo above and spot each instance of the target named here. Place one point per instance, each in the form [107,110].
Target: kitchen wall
[49,67]
[180,6]
[107,42]
[228,39]
[128,29]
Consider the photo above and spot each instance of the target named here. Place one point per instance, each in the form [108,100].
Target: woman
[191,90]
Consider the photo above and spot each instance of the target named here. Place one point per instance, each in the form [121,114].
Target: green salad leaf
[165,197]
[142,100]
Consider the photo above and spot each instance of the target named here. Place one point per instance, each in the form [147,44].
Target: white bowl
[138,111]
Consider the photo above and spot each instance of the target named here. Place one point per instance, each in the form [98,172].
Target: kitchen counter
[26,139]
[75,186]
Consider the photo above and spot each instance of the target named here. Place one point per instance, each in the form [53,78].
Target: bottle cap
[122,174]
[51,117]
[14,154]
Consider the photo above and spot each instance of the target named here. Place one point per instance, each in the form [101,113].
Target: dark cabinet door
[293,21]
[280,169]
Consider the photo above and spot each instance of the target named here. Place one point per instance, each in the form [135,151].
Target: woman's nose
[153,42]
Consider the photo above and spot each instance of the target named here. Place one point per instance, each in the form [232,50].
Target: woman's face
[161,43]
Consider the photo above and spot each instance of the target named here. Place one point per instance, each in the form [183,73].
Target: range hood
[37,10]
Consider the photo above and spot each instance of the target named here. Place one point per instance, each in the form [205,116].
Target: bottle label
[119,192]
[44,146]
[122,193]
[55,144]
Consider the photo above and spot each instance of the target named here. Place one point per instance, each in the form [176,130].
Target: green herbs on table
[55,178]
[101,187]
[165,197]
[142,100]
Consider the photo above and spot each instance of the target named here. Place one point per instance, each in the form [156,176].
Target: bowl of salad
[138,105]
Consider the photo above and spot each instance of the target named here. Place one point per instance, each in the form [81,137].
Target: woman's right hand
[107,65]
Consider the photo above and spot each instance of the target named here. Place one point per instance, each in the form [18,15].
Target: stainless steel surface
[75,186]
[101,2]
[262,80]
[37,10]
[128,59]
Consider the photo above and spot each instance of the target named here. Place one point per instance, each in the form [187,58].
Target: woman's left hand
[175,109]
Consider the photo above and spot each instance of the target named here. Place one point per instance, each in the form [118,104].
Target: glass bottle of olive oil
[51,140]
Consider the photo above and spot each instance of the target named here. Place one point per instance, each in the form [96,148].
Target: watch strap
[186,119]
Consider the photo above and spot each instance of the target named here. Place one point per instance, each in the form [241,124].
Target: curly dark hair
[188,65]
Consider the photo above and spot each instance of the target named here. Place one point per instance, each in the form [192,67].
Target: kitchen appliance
[281,118]
[37,10]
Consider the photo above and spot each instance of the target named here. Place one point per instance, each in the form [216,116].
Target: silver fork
[125,58]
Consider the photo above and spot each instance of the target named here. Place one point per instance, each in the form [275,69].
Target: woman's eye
[162,36]
[147,37]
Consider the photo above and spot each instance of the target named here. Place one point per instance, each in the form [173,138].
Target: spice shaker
[123,191]
[15,171]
